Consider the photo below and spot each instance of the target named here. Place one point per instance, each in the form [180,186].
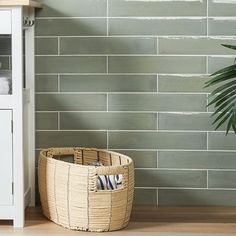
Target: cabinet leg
[19,222]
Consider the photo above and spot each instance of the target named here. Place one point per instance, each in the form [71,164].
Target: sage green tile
[46,139]
[5,63]
[196,159]
[70,102]
[5,46]
[194,45]
[186,121]
[46,46]
[160,102]
[196,197]
[217,63]
[46,121]
[157,64]
[145,197]
[70,64]
[108,45]
[223,27]
[107,121]
[183,83]
[154,140]
[152,26]
[72,8]
[108,83]
[72,26]
[171,178]
[222,8]
[219,141]
[156,8]
[46,83]
[142,159]
[221,179]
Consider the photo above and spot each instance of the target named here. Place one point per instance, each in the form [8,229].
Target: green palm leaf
[223,97]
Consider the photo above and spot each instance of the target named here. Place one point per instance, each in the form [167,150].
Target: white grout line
[207,179]
[142,131]
[170,169]
[107,64]
[134,112]
[58,46]
[133,17]
[166,150]
[218,37]
[58,121]
[58,84]
[135,55]
[157,83]
[157,158]
[137,74]
[127,93]
[157,45]
[187,188]
[207,18]
[107,18]
[107,140]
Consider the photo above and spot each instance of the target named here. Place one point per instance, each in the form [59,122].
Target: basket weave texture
[69,193]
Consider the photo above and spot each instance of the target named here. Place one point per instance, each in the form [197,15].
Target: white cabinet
[17,160]
[6,181]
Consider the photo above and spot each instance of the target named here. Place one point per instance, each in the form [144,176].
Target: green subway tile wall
[129,76]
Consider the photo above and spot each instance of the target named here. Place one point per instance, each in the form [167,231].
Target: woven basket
[69,193]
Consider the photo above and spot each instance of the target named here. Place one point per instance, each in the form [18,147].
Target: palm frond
[223,97]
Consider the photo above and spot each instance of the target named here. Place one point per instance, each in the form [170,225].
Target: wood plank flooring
[161,221]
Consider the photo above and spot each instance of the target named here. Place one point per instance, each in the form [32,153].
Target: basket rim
[43,153]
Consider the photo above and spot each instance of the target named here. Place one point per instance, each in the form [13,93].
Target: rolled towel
[108,182]
[5,86]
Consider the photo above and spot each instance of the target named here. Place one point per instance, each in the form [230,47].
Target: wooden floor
[161,221]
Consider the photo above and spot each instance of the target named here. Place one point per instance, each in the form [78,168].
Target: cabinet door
[5,157]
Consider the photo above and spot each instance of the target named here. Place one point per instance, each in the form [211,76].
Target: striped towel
[108,182]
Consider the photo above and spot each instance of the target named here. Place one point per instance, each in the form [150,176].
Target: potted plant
[223,96]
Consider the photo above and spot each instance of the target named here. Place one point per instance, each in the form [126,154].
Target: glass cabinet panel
[5,65]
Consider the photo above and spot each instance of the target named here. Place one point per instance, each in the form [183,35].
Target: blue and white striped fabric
[109,182]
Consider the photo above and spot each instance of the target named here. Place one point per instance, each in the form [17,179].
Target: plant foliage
[223,97]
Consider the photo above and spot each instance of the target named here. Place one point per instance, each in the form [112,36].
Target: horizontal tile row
[121,64]
[186,197]
[118,8]
[186,121]
[129,45]
[185,178]
[123,140]
[122,83]
[121,102]
[96,83]
[135,26]
[138,140]
[171,178]
[129,64]
[125,121]
[96,121]
[195,45]
[197,159]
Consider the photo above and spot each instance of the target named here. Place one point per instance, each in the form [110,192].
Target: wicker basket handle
[60,151]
